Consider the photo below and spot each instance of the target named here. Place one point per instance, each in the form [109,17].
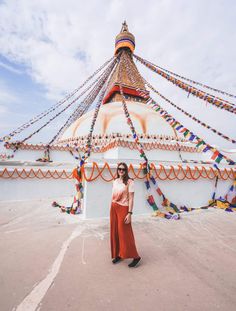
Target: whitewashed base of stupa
[117,153]
[97,194]
[186,192]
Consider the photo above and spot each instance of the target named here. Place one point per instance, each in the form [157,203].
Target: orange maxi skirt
[121,234]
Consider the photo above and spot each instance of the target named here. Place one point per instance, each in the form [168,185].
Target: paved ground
[53,261]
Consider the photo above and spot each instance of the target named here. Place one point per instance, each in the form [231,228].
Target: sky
[48,48]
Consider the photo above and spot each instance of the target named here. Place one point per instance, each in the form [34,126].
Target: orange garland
[160,173]
[23,174]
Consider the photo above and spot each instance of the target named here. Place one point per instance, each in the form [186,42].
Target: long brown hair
[126,175]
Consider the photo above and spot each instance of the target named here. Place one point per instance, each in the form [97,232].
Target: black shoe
[115,260]
[134,262]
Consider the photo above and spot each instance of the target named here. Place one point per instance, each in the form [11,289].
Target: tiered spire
[125,43]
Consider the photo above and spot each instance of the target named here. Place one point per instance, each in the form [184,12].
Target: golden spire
[125,39]
[130,77]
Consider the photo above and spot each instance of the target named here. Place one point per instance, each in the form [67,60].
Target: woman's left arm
[131,204]
[131,201]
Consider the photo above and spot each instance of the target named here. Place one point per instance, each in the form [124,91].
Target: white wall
[97,197]
[187,192]
[32,189]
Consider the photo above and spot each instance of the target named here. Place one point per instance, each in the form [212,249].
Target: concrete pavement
[54,261]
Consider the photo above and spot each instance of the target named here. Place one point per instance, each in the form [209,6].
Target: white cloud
[48,37]
[10,68]
[61,43]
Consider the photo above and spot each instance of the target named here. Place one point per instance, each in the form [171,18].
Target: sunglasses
[121,169]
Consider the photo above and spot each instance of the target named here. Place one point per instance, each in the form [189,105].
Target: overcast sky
[47,48]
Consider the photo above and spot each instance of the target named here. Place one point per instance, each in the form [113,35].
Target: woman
[121,233]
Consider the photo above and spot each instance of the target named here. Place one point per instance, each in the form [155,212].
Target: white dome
[111,119]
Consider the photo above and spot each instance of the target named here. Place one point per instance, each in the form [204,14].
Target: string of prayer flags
[146,167]
[191,116]
[216,101]
[171,207]
[217,156]
[192,81]
[231,194]
[43,114]
[77,172]
[181,129]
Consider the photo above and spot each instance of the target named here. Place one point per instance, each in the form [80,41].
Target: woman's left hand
[127,219]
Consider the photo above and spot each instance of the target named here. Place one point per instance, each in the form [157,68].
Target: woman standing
[121,233]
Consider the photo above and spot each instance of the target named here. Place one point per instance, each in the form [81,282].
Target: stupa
[125,124]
